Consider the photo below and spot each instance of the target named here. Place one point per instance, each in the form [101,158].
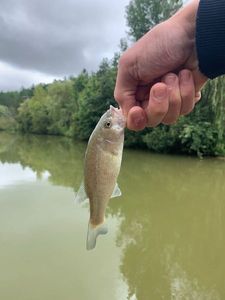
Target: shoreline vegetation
[72,107]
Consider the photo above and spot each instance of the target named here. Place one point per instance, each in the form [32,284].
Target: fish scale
[101,168]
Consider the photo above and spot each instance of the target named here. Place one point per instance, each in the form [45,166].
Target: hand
[158,78]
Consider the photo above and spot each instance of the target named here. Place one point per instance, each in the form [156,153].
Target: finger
[172,82]
[142,93]
[125,89]
[158,104]
[199,80]
[136,119]
[198,96]
[187,91]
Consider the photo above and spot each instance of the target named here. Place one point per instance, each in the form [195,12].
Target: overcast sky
[41,40]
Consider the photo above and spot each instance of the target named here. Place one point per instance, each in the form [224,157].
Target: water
[166,233]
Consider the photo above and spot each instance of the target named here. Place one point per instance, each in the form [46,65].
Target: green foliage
[209,116]
[60,106]
[94,100]
[202,132]
[50,110]
[33,116]
[4,111]
[73,106]
[13,99]
[195,139]
[200,139]
[24,117]
[135,139]
[162,139]
[142,15]
[7,122]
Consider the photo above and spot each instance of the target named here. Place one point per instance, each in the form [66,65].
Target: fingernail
[160,93]
[170,80]
[185,76]
[138,122]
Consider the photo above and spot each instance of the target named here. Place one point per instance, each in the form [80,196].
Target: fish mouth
[114,110]
[119,115]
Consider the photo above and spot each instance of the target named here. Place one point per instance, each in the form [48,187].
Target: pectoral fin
[116,191]
[81,195]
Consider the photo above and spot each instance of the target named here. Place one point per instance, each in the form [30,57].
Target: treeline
[72,107]
[9,103]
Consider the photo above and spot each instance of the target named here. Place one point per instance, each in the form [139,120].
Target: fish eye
[107,124]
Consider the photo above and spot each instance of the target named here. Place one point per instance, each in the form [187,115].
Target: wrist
[186,17]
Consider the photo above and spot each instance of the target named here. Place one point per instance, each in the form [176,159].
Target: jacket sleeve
[210,37]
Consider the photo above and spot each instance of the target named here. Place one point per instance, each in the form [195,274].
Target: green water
[166,235]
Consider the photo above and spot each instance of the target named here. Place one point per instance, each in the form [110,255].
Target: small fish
[101,169]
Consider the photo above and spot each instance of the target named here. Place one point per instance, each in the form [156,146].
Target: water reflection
[166,237]
[42,231]
[13,174]
[60,157]
[173,226]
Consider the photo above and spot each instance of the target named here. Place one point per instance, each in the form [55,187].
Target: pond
[166,235]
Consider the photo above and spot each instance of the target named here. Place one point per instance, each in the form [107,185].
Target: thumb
[199,80]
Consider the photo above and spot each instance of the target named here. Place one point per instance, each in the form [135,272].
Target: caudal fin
[93,233]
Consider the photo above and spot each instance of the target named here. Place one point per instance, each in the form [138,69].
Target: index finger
[125,89]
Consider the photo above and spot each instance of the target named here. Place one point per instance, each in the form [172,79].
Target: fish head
[112,124]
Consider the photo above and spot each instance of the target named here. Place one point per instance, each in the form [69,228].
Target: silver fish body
[101,169]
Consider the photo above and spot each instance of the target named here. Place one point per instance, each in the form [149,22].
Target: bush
[201,139]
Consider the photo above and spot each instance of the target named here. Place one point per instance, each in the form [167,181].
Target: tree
[73,106]
[202,132]
[94,100]
[33,113]
[142,15]
[60,106]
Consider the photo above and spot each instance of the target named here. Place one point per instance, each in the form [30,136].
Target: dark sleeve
[210,37]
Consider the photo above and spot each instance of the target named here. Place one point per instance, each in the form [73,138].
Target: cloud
[60,37]
[13,78]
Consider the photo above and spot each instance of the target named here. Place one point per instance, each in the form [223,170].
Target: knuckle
[119,96]
[175,101]
[152,124]
[128,65]
[186,110]
[187,95]
[124,60]
[187,92]
[158,111]
[155,117]
[169,120]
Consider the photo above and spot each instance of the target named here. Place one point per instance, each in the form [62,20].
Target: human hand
[158,78]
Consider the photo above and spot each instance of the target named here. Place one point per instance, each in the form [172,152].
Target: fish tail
[93,232]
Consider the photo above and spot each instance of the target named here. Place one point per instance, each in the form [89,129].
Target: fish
[101,168]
